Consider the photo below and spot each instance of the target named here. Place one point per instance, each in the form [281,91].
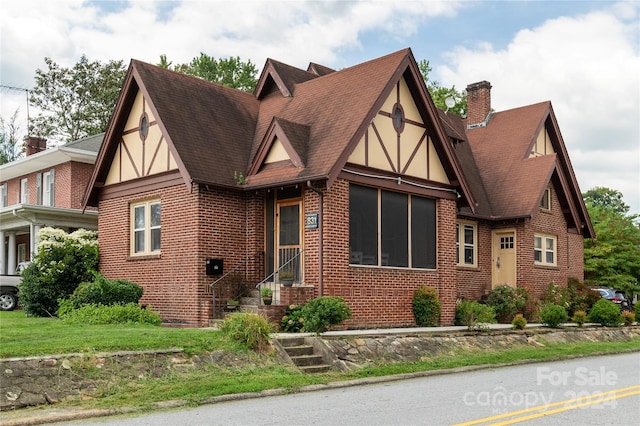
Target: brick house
[351,180]
[44,189]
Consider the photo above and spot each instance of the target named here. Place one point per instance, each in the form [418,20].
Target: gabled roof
[214,132]
[506,178]
[208,127]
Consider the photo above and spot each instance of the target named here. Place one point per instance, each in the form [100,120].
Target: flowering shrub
[507,301]
[63,261]
[292,322]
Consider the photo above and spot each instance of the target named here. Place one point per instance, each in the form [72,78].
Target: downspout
[321,238]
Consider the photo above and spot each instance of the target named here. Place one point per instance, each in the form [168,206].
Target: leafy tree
[10,146]
[231,72]
[439,94]
[613,258]
[75,102]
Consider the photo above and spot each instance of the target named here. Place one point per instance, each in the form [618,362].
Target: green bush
[579,317]
[292,321]
[113,314]
[251,330]
[103,291]
[62,263]
[553,315]
[507,301]
[426,307]
[474,315]
[519,322]
[606,313]
[322,312]
[636,309]
[579,296]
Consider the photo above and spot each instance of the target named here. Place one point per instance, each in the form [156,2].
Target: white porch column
[35,229]
[3,254]
[12,258]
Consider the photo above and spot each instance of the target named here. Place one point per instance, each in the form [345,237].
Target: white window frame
[461,227]
[24,191]
[48,182]
[4,195]
[146,230]
[543,246]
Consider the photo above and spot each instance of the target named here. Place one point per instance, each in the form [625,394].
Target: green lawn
[21,336]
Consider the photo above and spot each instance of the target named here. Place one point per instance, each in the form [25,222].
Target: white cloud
[588,66]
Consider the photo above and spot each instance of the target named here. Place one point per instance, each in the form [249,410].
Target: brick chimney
[34,145]
[478,104]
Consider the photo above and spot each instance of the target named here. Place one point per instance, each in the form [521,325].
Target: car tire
[8,301]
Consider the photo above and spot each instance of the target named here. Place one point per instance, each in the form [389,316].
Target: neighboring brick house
[44,189]
[353,180]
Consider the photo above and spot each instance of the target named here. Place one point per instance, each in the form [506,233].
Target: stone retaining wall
[50,379]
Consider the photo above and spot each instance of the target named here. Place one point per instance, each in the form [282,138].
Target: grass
[20,336]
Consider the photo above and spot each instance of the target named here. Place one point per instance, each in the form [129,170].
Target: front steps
[303,355]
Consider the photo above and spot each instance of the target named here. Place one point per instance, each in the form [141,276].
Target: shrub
[579,317]
[628,318]
[636,309]
[507,301]
[63,261]
[103,291]
[553,315]
[606,313]
[474,315]
[519,322]
[426,307]
[251,330]
[322,312]
[292,321]
[113,314]
[579,296]
[555,295]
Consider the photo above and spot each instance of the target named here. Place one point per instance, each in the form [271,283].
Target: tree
[439,94]
[10,146]
[613,258]
[75,102]
[231,72]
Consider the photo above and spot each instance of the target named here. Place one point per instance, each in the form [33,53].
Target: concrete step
[291,341]
[252,309]
[250,300]
[307,360]
[299,350]
[311,369]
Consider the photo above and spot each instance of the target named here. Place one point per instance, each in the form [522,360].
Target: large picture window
[145,228]
[391,229]
[544,250]
[466,243]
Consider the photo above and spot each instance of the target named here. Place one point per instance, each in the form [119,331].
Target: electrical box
[214,266]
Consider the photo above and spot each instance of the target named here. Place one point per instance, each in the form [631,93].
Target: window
[48,188]
[391,229]
[545,250]
[24,191]
[3,195]
[466,243]
[145,228]
[545,203]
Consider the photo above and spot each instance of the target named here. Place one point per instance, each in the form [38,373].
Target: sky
[583,56]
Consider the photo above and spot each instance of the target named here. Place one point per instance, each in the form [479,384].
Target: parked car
[616,296]
[9,285]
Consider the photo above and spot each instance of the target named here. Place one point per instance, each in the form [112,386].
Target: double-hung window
[48,188]
[145,228]
[391,229]
[24,191]
[466,243]
[544,250]
[3,195]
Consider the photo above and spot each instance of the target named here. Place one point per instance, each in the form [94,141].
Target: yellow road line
[635,390]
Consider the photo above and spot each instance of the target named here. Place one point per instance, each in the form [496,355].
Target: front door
[503,257]
[288,237]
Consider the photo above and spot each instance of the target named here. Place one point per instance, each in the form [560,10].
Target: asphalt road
[586,391]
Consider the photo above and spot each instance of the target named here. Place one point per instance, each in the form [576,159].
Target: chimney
[34,145]
[478,104]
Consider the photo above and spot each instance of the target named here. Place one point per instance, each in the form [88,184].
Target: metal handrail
[279,269]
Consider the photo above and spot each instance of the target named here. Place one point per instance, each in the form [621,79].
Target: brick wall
[378,296]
